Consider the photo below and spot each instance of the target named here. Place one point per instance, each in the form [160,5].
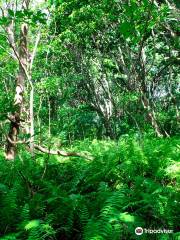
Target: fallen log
[61,152]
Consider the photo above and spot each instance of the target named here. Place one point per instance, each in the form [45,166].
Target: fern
[126,185]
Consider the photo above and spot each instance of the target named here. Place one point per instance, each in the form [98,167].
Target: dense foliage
[89,118]
[130,183]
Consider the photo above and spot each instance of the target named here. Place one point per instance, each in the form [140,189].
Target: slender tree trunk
[108,128]
[151,116]
[31,118]
[18,107]
[49,118]
[39,120]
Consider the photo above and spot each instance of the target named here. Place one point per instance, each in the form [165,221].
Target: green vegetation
[129,183]
[89,119]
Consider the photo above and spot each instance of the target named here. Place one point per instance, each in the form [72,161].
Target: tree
[15,18]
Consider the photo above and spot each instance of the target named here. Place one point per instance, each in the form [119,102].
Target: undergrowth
[130,183]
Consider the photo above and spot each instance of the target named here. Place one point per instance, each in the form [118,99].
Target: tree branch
[61,152]
[35,50]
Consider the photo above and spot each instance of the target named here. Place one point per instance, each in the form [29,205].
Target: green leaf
[11,12]
[32,224]
[125,217]
[4,21]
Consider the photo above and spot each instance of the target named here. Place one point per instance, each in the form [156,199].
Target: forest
[89,120]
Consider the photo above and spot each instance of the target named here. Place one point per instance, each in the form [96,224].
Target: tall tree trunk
[151,116]
[18,107]
[108,128]
[31,119]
